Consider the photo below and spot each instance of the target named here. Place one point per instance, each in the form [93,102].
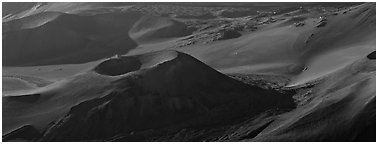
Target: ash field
[189,72]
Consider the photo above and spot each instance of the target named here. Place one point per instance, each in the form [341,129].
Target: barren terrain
[189,72]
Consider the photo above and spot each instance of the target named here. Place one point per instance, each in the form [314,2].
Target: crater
[125,64]
[371,55]
[118,66]
[28,98]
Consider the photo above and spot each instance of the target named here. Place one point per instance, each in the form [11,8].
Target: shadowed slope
[168,89]
[58,38]
[69,39]
[118,66]
[30,21]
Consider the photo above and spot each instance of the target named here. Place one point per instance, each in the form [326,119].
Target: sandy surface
[106,69]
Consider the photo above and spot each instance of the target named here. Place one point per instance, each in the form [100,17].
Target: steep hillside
[81,33]
[30,21]
[340,42]
[150,27]
[189,72]
[136,93]
[68,39]
[292,45]
[16,10]
[341,107]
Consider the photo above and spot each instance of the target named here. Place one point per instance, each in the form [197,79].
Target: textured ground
[189,72]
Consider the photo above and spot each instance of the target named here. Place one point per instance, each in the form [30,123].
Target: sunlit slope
[342,108]
[323,44]
[151,28]
[346,38]
[16,10]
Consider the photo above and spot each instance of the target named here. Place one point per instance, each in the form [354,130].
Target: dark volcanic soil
[189,72]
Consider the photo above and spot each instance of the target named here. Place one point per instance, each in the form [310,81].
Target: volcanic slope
[56,37]
[134,93]
[151,27]
[281,48]
[340,107]
[338,44]
[14,10]
[69,39]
